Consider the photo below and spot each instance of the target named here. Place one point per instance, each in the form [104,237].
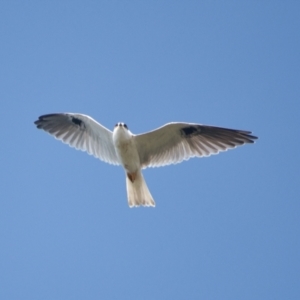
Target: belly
[128,156]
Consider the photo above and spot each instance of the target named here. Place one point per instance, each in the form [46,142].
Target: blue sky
[225,227]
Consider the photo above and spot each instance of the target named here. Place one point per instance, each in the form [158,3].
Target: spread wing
[81,132]
[175,142]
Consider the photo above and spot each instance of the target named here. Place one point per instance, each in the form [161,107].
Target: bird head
[121,125]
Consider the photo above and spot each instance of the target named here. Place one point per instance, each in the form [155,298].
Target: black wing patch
[190,131]
[78,122]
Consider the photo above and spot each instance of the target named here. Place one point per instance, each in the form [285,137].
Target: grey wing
[175,142]
[81,132]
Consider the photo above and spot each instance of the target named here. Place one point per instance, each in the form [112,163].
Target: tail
[138,192]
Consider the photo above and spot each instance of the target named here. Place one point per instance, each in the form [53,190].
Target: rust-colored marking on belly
[131,176]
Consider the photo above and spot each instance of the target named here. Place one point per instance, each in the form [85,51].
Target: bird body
[124,143]
[169,144]
[137,190]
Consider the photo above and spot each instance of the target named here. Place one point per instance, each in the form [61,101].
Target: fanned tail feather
[138,192]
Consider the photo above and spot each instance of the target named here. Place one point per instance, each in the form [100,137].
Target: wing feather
[81,132]
[175,142]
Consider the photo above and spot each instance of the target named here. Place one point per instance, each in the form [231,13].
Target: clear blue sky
[225,227]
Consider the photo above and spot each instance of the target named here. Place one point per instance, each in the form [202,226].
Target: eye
[125,126]
[116,125]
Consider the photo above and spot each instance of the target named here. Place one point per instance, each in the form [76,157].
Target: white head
[121,133]
[121,125]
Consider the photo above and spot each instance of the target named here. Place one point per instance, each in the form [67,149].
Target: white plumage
[169,144]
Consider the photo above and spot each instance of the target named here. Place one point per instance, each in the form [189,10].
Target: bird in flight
[169,144]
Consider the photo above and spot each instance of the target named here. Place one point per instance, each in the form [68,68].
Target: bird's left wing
[175,142]
[81,132]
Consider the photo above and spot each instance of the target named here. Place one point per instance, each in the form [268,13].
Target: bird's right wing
[81,132]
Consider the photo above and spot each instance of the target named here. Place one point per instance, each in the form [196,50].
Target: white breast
[126,149]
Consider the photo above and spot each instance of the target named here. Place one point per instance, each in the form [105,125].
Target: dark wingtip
[38,122]
[252,137]
[41,119]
